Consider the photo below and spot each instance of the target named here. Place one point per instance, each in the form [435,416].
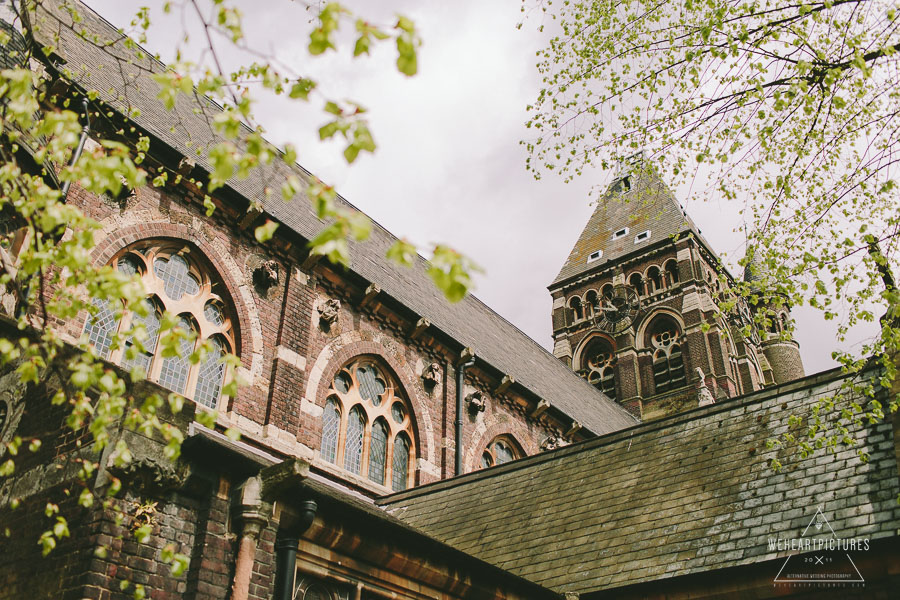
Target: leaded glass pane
[128,265]
[143,358]
[370,386]
[316,592]
[503,453]
[342,382]
[176,277]
[210,376]
[378,452]
[356,428]
[397,412]
[101,327]
[174,372]
[486,460]
[331,424]
[400,464]
[213,313]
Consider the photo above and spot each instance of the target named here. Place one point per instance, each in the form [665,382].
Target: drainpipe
[286,550]
[84,134]
[467,359]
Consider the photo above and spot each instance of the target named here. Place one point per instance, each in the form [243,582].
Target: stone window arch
[576,307]
[636,280]
[663,337]
[590,301]
[598,360]
[671,269]
[367,424]
[502,449]
[654,280]
[178,280]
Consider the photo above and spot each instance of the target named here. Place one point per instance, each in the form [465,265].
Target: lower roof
[687,494]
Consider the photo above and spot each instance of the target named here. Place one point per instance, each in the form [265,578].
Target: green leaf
[265,231]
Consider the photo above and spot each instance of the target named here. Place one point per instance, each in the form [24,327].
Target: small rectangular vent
[620,233]
[642,237]
[595,256]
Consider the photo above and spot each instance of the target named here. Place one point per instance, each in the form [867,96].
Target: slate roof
[648,204]
[686,494]
[123,79]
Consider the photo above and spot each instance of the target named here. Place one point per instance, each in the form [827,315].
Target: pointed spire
[637,210]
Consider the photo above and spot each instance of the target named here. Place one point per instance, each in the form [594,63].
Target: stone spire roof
[636,201]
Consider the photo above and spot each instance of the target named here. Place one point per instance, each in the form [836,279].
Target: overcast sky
[449,167]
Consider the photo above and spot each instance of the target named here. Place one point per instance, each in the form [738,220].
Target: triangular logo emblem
[822,558]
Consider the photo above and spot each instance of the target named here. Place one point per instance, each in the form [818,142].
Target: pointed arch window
[502,449]
[179,281]
[664,338]
[599,365]
[374,439]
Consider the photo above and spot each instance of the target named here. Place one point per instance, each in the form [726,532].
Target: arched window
[654,280]
[663,337]
[671,268]
[590,302]
[598,365]
[177,280]
[637,282]
[374,439]
[502,449]
[577,309]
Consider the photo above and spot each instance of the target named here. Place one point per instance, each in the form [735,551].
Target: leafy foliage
[790,109]
[48,275]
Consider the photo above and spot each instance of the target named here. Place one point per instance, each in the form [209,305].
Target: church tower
[634,305]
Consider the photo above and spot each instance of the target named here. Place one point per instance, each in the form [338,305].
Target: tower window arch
[577,308]
[671,269]
[636,280]
[664,338]
[179,281]
[598,362]
[502,449]
[367,425]
[590,302]
[654,280]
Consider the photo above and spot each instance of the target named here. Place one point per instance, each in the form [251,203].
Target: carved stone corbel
[476,402]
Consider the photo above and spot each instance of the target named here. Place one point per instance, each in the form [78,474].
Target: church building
[395,446]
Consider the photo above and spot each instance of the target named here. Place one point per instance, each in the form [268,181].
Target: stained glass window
[213,313]
[356,429]
[179,285]
[176,277]
[378,451]
[101,327]
[364,417]
[331,426]
[502,449]
[211,374]
[143,356]
[316,592]
[174,372]
[400,464]
[371,387]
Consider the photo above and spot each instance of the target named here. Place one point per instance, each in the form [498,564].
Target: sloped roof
[643,203]
[122,77]
[690,493]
